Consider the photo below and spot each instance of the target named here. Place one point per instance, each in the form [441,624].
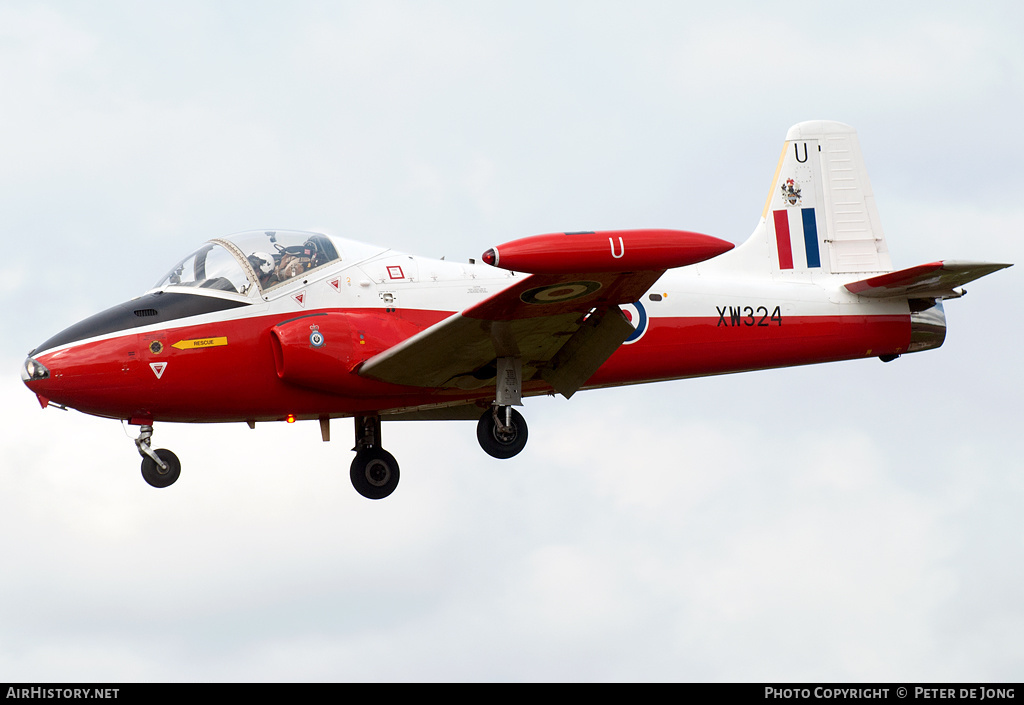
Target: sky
[848,522]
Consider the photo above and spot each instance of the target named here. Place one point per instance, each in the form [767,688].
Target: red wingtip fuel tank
[608,251]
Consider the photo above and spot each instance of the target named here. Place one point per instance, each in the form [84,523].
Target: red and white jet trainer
[278,326]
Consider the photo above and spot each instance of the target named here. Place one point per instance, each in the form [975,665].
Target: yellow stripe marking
[775,180]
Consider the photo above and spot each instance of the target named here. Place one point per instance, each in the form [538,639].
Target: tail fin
[820,215]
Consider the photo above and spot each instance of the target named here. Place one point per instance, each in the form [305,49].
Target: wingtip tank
[608,251]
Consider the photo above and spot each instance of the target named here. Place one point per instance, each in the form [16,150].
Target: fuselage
[225,345]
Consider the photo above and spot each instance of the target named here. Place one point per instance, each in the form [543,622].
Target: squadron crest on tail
[791,192]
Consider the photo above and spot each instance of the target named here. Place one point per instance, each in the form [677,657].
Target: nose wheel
[161,467]
[158,476]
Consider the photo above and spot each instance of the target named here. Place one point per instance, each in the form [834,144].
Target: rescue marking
[748,316]
[198,343]
[395,272]
[158,368]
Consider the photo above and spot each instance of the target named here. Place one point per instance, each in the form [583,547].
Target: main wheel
[157,477]
[498,443]
[374,473]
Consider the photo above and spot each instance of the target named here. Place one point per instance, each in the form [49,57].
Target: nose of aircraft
[35,374]
[34,370]
[94,376]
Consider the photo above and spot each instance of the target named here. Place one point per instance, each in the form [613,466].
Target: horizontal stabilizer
[935,280]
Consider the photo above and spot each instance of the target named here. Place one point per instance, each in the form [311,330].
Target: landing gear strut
[374,471]
[161,467]
[501,431]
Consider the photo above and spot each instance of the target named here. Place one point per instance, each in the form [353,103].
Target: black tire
[374,473]
[156,477]
[498,444]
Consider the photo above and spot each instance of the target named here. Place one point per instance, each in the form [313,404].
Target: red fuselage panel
[266,367]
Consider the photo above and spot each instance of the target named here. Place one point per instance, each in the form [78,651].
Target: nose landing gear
[161,467]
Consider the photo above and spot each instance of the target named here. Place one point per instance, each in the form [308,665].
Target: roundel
[557,293]
[316,339]
[636,314]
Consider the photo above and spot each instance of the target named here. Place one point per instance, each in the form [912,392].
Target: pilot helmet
[262,263]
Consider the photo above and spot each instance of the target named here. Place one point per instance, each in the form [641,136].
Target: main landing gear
[161,467]
[501,432]
[374,471]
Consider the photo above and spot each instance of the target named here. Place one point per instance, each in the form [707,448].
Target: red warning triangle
[336,283]
[158,368]
[300,298]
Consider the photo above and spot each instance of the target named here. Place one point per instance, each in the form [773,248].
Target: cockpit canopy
[267,258]
[228,273]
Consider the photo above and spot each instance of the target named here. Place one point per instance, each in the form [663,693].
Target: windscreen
[209,267]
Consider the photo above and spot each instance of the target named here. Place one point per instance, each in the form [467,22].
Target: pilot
[321,250]
[263,264]
[291,265]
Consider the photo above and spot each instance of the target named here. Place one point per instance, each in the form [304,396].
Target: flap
[934,280]
[534,319]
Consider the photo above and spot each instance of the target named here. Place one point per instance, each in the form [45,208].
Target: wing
[935,280]
[561,326]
